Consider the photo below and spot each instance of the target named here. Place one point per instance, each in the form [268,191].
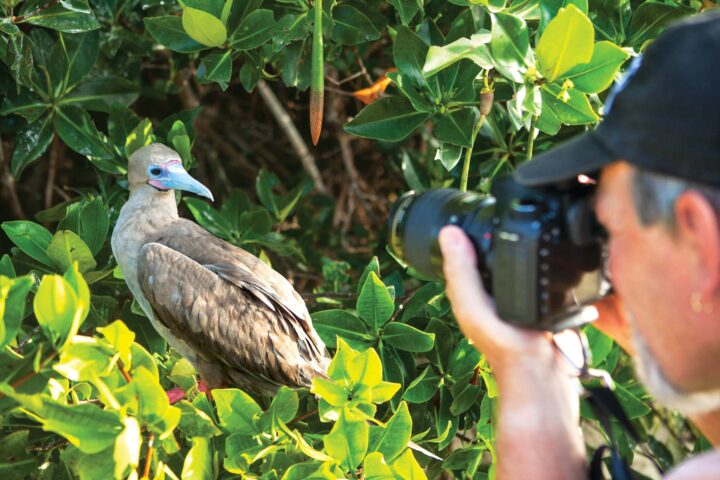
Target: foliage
[84,83]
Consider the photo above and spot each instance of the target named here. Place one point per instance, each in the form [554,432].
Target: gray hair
[654,196]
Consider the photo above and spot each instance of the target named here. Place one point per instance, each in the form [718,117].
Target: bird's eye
[155,171]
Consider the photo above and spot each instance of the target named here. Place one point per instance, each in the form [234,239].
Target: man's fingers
[464,286]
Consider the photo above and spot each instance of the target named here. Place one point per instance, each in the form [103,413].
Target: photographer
[657,157]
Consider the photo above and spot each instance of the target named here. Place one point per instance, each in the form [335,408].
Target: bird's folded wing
[223,322]
[245,270]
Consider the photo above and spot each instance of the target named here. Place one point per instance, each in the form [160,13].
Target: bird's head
[161,168]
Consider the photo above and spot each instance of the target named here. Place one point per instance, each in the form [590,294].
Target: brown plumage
[237,320]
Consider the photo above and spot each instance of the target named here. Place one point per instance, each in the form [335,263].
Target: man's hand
[504,345]
[538,435]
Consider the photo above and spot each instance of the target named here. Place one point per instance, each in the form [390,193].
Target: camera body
[539,250]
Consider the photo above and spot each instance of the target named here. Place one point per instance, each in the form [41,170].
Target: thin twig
[21,381]
[287,125]
[362,66]
[123,371]
[52,170]
[148,457]
[8,182]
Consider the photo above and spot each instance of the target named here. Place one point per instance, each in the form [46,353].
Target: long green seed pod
[317,85]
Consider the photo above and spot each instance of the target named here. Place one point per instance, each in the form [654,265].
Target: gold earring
[697,305]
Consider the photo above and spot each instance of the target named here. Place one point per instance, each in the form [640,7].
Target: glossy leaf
[597,75]
[390,118]
[409,53]
[374,304]
[32,239]
[331,324]
[393,438]
[30,143]
[423,388]
[474,48]
[216,67]
[78,131]
[566,42]
[203,27]
[406,9]
[347,442]
[198,463]
[236,411]
[255,29]
[67,247]
[12,306]
[456,127]
[510,46]
[169,31]
[70,16]
[407,338]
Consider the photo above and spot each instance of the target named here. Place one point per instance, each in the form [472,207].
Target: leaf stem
[148,457]
[468,154]
[20,381]
[531,138]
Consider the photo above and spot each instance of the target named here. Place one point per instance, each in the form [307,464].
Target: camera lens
[416,220]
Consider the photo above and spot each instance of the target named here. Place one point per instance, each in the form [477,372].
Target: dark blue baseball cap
[664,116]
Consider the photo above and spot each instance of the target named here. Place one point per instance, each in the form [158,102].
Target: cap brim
[583,154]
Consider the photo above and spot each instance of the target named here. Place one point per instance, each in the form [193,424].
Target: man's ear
[698,227]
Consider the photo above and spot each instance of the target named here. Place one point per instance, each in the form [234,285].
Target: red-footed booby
[237,320]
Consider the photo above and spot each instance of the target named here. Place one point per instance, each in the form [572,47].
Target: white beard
[657,384]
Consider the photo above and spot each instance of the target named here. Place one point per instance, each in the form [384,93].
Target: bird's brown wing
[248,272]
[228,325]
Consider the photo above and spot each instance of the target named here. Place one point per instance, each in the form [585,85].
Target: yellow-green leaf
[203,27]
[56,308]
[67,247]
[597,75]
[566,42]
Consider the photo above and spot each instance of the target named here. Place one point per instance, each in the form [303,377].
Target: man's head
[660,207]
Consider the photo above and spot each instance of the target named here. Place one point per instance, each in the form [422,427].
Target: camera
[539,250]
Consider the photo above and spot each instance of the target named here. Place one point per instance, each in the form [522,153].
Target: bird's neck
[147,200]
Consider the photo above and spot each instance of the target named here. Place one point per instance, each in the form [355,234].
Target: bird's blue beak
[172,175]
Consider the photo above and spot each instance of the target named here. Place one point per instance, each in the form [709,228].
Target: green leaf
[12,306]
[510,46]
[203,27]
[597,75]
[198,463]
[6,267]
[70,16]
[284,405]
[101,94]
[141,136]
[449,155]
[66,247]
[216,67]
[374,304]
[392,439]
[384,391]
[195,422]
[82,53]
[32,239]
[31,142]
[456,127]
[85,359]
[409,53]
[254,30]
[78,131]
[390,118]
[168,31]
[80,287]
[423,388]
[330,391]
[94,223]
[632,405]
[331,324]
[474,48]
[566,42]
[365,369]
[352,26]
[237,411]
[406,9]
[407,467]
[600,344]
[208,217]
[127,447]
[375,468]
[26,104]
[372,266]
[576,111]
[56,308]
[651,18]
[279,205]
[86,426]
[407,338]
[347,442]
